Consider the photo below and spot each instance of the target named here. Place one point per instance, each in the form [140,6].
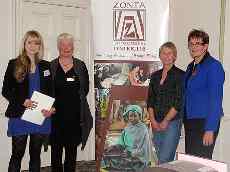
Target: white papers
[35,115]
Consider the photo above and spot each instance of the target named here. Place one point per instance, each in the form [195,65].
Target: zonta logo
[129,25]
[129,5]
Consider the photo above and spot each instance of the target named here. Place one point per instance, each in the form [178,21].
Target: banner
[129,29]
[127,37]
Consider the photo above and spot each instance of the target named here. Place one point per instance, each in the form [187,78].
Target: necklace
[32,68]
[66,63]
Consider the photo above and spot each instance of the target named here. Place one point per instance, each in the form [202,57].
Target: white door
[51,19]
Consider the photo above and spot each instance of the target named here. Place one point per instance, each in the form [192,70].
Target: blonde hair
[169,45]
[64,36]
[23,62]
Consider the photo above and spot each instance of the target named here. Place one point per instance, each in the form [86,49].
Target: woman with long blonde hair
[24,75]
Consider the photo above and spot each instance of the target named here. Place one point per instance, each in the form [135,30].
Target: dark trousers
[18,151]
[70,157]
[194,132]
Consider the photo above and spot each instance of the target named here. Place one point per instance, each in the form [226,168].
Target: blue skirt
[17,126]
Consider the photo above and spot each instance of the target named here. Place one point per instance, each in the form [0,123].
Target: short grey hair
[65,36]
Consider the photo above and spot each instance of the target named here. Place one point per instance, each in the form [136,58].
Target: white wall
[186,15]
[5,34]
[226,59]
[5,55]
[6,47]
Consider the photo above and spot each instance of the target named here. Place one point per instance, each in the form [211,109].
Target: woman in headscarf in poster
[133,149]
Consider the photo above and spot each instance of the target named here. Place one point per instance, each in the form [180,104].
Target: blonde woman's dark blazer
[17,92]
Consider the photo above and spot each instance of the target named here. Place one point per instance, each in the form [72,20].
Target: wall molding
[222,29]
[66,3]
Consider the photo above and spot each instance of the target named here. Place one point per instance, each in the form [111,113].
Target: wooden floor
[82,166]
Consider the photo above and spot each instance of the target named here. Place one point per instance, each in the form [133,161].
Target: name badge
[46,73]
[69,79]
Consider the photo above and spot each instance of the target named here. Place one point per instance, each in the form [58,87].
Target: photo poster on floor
[117,132]
[119,84]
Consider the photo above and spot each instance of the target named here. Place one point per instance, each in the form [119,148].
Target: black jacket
[86,120]
[16,92]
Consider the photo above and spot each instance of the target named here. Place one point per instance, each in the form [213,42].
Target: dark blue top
[204,92]
[16,126]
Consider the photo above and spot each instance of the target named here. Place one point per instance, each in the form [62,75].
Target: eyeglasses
[197,44]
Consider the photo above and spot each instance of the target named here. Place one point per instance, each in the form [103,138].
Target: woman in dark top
[67,102]
[25,74]
[72,122]
[165,104]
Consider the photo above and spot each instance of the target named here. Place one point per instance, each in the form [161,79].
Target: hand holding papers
[35,114]
[48,113]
